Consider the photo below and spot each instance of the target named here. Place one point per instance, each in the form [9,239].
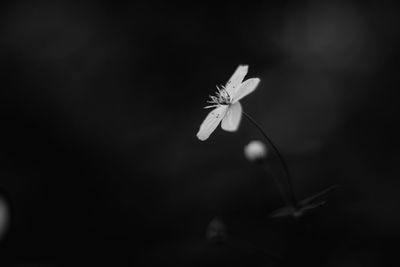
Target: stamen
[221,97]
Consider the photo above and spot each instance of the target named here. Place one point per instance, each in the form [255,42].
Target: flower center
[221,98]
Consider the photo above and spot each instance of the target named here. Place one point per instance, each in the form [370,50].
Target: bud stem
[291,198]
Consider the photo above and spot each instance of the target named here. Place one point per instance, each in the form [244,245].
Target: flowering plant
[227,108]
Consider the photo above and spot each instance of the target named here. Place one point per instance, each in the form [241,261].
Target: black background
[101,102]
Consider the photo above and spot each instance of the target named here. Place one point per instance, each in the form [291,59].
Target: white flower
[255,150]
[226,104]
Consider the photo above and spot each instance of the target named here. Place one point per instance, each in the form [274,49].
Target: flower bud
[255,151]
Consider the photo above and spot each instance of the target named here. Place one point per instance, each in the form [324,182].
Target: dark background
[101,102]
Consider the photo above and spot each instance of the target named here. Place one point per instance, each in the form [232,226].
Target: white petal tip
[255,81]
[201,137]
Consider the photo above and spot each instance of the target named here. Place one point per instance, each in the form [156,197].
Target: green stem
[291,198]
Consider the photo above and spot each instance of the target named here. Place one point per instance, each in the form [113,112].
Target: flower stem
[291,198]
[281,187]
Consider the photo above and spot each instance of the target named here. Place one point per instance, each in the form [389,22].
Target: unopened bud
[255,151]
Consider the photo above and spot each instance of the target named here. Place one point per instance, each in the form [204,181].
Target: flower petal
[211,122]
[232,118]
[246,88]
[236,80]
